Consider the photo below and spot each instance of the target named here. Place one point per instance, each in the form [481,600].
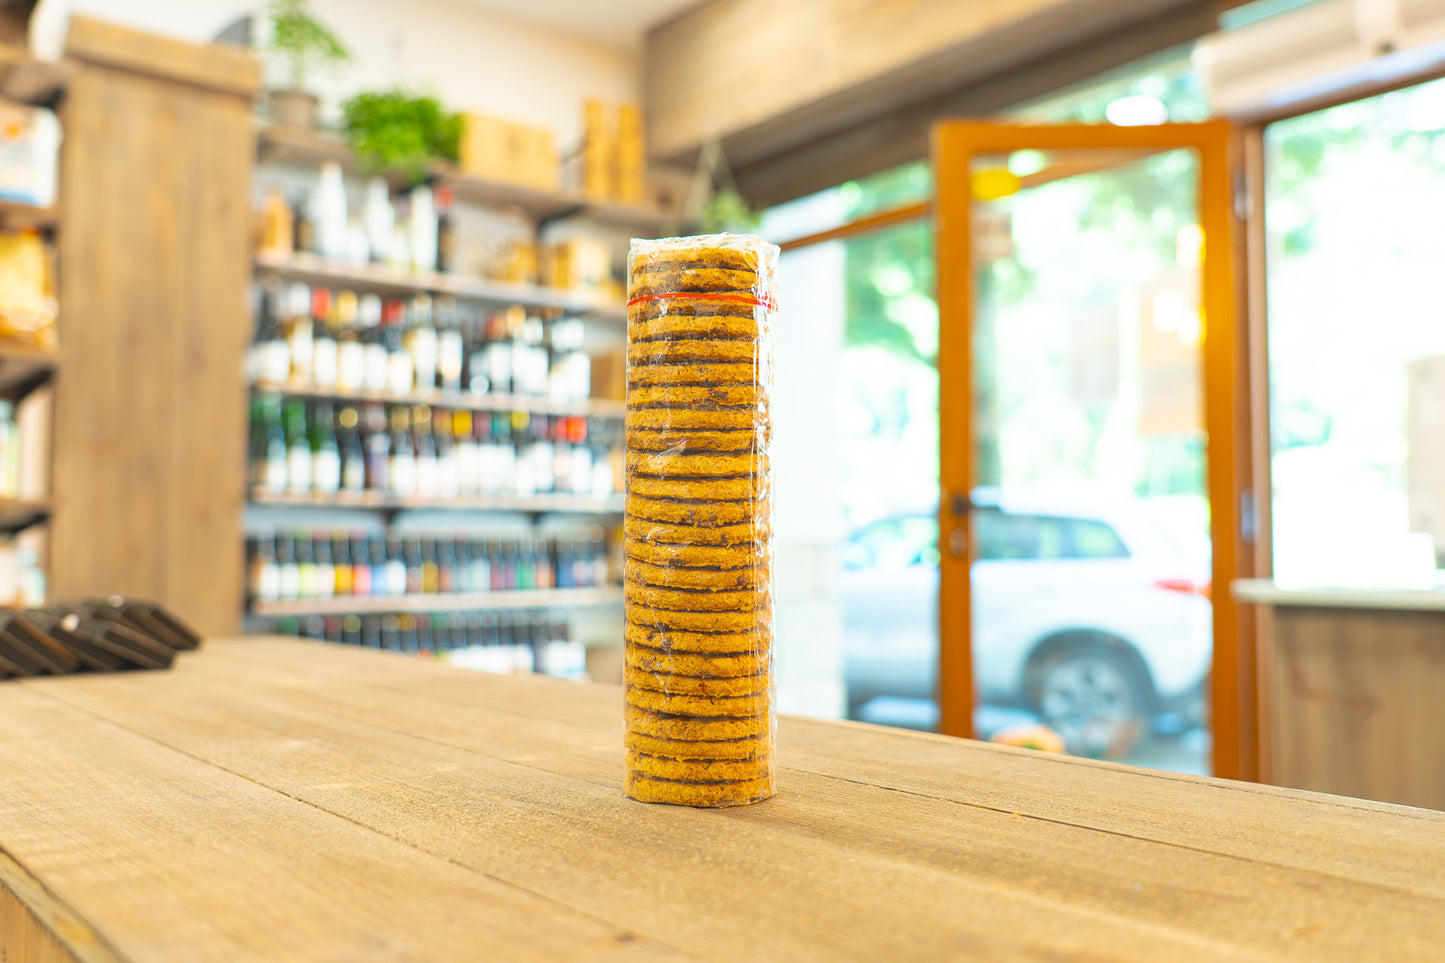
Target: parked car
[1088,612]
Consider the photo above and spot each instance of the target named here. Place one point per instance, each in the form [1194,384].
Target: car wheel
[1095,697]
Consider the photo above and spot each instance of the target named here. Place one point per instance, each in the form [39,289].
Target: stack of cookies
[697,535]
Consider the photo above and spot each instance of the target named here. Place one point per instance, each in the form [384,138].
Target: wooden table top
[269,799]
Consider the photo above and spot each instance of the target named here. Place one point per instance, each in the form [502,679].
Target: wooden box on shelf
[502,150]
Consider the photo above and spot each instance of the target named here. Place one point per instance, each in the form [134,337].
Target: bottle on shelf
[598,552]
[406,634]
[361,566]
[377,444]
[268,445]
[415,576]
[325,571]
[465,453]
[304,228]
[323,339]
[426,453]
[582,456]
[448,477]
[540,451]
[423,224]
[298,332]
[400,368]
[420,341]
[341,566]
[298,448]
[446,242]
[480,564]
[350,351]
[353,455]
[375,361]
[278,229]
[401,471]
[305,568]
[325,453]
[358,244]
[462,560]
[328,207]
[288,575]
[265,571]
[499,350]
[270,355]
[395,567]
[475,375]
[561,456]
[430,565]
[380,219]
[451,346]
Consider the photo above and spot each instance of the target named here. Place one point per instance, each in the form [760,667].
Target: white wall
[471,59]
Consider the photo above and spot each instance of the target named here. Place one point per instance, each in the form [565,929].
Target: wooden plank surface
[364,804]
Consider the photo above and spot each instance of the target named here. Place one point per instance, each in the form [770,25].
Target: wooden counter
[279,800]
[1352,687]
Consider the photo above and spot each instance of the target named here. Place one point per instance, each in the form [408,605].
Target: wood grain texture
[323,776]
[1354,703]
[149,465]
[221,68]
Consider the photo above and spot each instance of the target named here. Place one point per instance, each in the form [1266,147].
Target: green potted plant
[395,132]
[305,46]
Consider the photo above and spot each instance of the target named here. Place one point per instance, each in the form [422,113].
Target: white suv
[1088,612]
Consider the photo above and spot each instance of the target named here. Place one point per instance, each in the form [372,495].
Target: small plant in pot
[305,46]
[397,133]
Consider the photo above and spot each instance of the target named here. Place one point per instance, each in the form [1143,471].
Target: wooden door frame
[1226,401]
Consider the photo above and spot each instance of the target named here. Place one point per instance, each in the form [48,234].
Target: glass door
[1086,360]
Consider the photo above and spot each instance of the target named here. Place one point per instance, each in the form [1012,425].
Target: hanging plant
[393,132]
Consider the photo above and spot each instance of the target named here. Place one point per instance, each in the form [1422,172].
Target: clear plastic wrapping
[697,533]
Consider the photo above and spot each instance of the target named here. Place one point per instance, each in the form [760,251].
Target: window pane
[1356,344]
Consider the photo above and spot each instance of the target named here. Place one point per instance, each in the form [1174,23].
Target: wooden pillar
[150,418]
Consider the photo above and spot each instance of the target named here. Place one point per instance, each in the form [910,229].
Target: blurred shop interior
[1110,374]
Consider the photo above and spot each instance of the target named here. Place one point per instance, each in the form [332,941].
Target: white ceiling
[613,22]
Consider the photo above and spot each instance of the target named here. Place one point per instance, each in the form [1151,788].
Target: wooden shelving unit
[17,514]
[463,401]
[29,81]
[23,368]
[376,277]
[280,145]
[308,149]
[15,214]
[468,602]
[375,501]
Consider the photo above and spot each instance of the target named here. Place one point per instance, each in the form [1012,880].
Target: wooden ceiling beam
[763,75]
[902,135]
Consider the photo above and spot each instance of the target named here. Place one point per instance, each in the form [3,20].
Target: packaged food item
[27,290]
[29,154]
[697,532]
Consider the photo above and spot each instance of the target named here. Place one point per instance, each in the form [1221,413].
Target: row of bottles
[314,336]
[502,642]
[414,231]
[304,564]
[414,451]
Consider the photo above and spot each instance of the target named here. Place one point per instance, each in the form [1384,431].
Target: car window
[896,543]
[1001,536]
[1004,536]
[1091,539]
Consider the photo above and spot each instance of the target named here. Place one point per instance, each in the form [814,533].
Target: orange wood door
[956,146]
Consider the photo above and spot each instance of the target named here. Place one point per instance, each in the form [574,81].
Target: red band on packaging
[703,295]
